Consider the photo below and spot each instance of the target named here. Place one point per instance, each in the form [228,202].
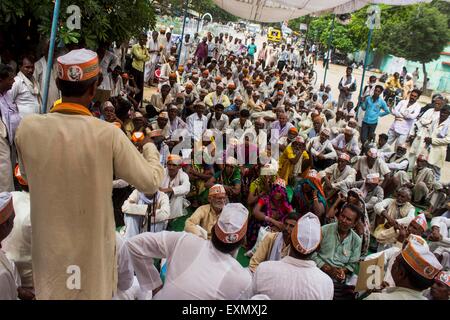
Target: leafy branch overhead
[417,32]
[102,20]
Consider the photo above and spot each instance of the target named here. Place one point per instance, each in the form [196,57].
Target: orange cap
[78,65]
[137,136]
[19,177]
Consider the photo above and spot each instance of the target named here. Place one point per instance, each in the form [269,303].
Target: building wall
[437,71]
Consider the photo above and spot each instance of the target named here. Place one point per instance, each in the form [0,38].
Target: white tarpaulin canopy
[283,10]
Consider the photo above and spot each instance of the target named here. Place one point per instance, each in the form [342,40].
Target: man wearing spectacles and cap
[217,97]
[196,268]
[203,219]
[77,131]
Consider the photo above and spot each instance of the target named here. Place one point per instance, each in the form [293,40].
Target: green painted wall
[438,73]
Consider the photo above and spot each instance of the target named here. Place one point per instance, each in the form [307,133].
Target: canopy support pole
[330,39]
[50,55]
[182,32]
[366,60]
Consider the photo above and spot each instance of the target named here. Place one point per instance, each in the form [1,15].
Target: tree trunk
[424,88]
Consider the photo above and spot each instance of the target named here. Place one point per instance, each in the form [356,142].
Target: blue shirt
[251,49]
[373,110]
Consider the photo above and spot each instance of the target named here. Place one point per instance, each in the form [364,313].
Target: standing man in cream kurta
[69,159]
[439,140]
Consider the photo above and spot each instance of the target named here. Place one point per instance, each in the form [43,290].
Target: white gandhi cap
[307,234]
[232,224]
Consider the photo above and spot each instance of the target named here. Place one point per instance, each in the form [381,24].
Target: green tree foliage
[319,31]
[200,6]
[102,20]
[420,37]
[353,36]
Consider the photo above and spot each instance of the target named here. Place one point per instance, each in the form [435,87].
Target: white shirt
[407,116]
[339,178]
[181,187]
[395,166]
[352,146]
[292,279]
[132,204]
[379,167]
[221,124]
[196,125]
[326,148]
[109,61]
[17,245]
[25,96]
[282,132]
[195,269]
[9,278]
[236,125]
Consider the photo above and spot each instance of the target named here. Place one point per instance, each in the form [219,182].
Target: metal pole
[366,58]
[330,38]
[198,24]
[50,54]
[182,32]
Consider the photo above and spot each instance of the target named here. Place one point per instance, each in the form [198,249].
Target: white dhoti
[134,225]
[149,71]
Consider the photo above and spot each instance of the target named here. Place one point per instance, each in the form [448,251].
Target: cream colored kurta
[69,162]
[440,140]
[424,129]
[204,217]
[264,249]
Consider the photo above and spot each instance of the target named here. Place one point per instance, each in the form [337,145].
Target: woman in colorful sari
[247,156]
[309,196]
[270,210]
[261,186]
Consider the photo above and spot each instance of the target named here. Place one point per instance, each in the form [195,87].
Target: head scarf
[284,207]
[300,198]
